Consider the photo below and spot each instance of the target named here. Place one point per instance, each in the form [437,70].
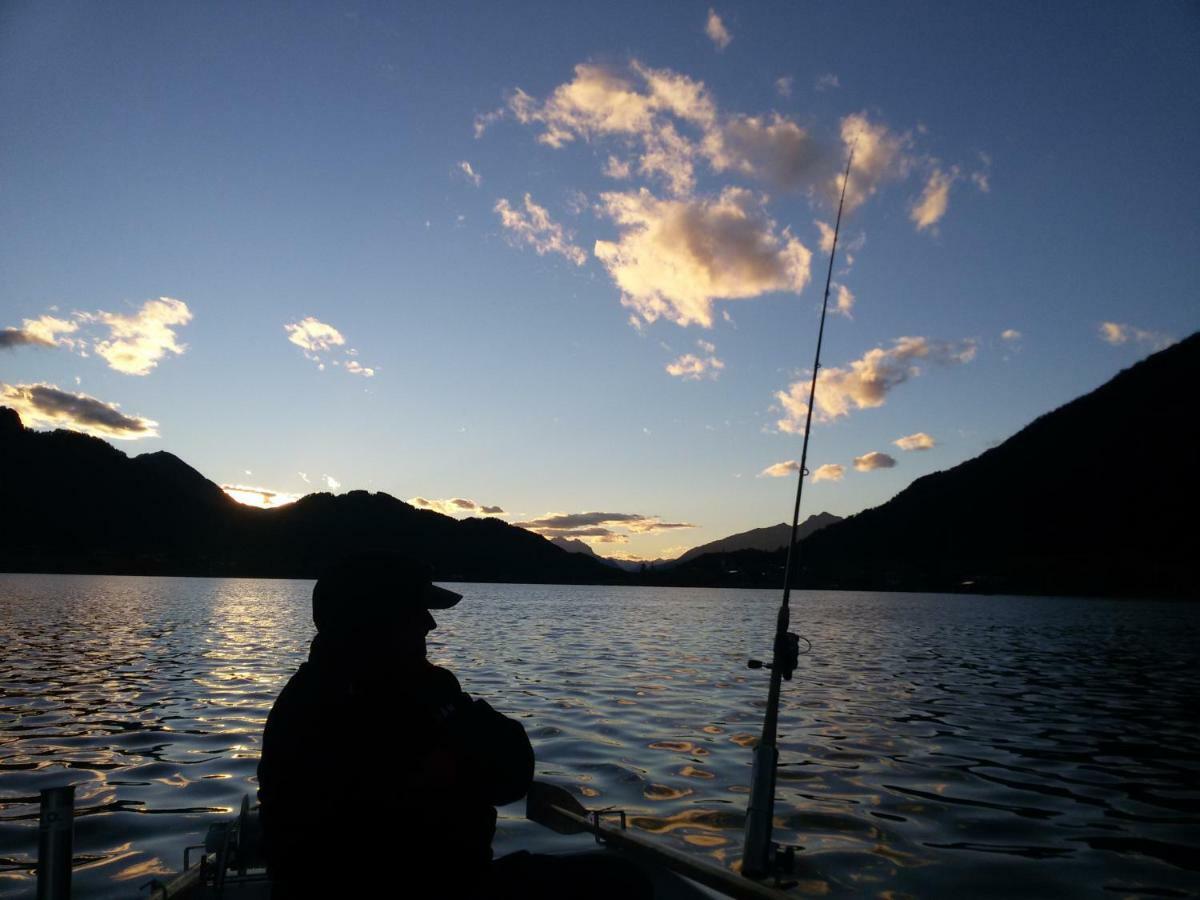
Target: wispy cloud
[783,86]
[535,228]
[780,469]
[330,482]
[691,367]
[322,343]
[918,441]
[866,382]
[931,206]
[1118,333]
[827,82]
[716,30]
[844,302]
[470,174]
[599,527]
[675,257]
[874,460]
[45,405]
[829,472]
[1010,334]
[456,506]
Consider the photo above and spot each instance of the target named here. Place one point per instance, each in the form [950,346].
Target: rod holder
[56,834]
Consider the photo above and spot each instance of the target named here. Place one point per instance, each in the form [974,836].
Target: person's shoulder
[438,681]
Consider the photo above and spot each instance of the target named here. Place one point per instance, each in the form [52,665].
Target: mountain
[575,546]
[770,538]
[1098,497]
[73,503]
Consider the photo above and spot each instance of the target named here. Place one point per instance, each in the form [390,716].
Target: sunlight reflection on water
[930,745]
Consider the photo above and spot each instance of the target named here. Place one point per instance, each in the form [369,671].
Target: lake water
[931,745]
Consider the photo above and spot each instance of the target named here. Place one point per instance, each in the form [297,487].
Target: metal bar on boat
[721,880]
[56,833]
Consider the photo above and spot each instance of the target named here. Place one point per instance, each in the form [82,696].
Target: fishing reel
[785,658]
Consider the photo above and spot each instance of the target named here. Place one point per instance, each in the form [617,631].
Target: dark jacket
[367,778]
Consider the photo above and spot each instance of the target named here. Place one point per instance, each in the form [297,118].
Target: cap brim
[440,598]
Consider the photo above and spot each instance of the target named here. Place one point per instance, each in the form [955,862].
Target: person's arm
[494,749]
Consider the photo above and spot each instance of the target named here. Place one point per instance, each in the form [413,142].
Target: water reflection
[930,745]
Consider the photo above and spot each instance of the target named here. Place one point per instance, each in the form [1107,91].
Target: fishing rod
[760,855]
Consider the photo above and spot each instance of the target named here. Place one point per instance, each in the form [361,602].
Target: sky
[563,263]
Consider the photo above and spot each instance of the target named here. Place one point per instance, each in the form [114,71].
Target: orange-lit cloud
[780,469]
[716,30]
[867,381]
[535,228]
[1010,334]
[691,367]
[918,441]
[599,527]
[829,472]
[263,498]
[45,405]
[880,155]
[674,258]
[1118,333]
[874,460]
[456,506]
[931,206]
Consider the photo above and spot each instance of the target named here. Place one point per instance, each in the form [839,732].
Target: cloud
[918,441]
[866,382]
[650,106]
[535,228]
[45,405]
[783,86]
[599,527]
[264,498]
[981,178]
[618,169]
[826,82]
[874,460]
[1117,333]
[775,149]
[330,482]
[826,231]
[845,301]
[673,258]
[880,155]
[716,30]
[136,343]
[1010,334]
[43,331]
[470,174]
[829,472]
[928,210]
[690,367]
[456,506]
[304,477]
[484,121]
[780,469]
[314,336]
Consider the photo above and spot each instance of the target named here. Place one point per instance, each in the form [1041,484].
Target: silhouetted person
[379,774]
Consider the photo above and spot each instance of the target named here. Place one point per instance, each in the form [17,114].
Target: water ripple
[930,745]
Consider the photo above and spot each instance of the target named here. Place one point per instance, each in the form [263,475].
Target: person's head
[376,603]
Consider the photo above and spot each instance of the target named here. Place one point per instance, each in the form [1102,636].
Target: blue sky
[265,166]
